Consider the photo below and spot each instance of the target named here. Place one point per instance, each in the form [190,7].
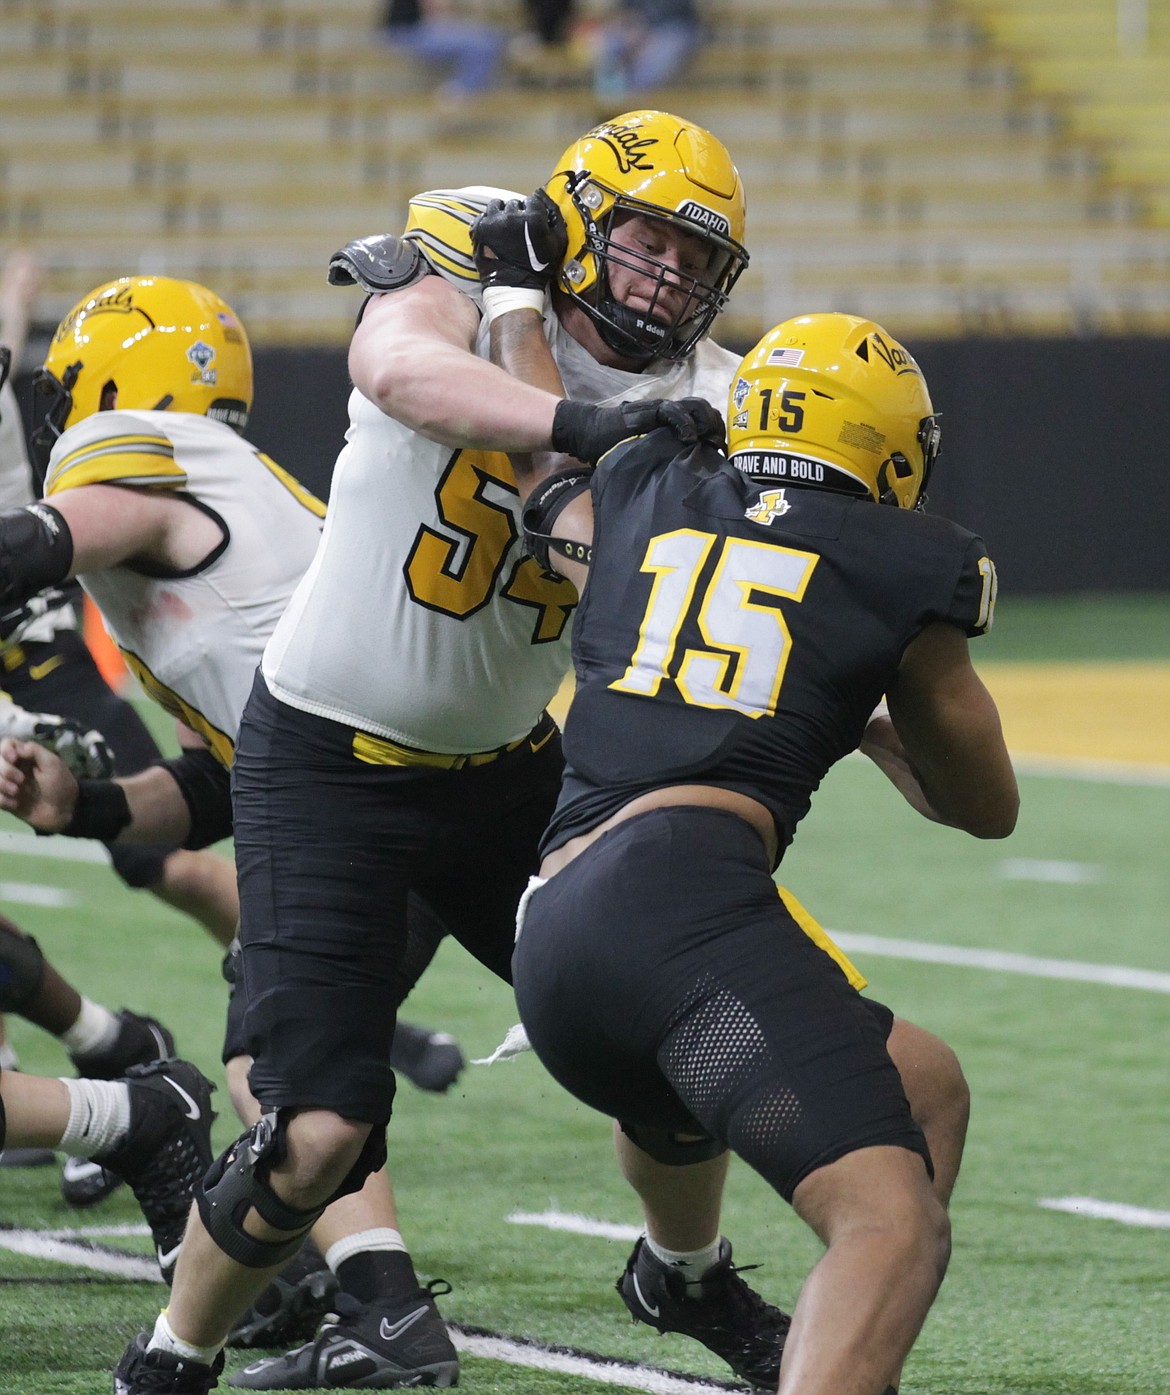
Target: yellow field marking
[1111,712]
[1118,711]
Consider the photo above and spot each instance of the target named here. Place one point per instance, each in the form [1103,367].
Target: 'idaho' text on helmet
[660,166]
[163,344]
[833,401]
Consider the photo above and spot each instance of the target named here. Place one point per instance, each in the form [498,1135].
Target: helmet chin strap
[631,334]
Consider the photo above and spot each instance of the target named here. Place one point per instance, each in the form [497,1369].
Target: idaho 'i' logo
[769,506]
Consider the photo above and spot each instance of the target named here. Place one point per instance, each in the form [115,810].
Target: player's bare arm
[37,787]
[882,744]
[412,356]
[950,728]
[111,525]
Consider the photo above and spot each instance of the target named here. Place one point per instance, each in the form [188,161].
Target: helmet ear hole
[145,343]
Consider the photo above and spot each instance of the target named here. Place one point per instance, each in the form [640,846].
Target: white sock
[693,1263]
[381,1239]
[99,1115]
[96,1028]
[164,1339]
[9,1060]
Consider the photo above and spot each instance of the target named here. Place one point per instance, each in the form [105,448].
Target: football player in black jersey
[742,616]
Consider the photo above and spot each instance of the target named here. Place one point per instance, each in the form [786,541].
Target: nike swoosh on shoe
[650,1308]
[167,1257]
[390,1332]
[192,1111]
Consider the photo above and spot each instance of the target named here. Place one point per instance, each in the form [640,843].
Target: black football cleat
[167,1149]
[140,1040]
[367,1347]
[292,1306]
[728,1318]
[143,1372]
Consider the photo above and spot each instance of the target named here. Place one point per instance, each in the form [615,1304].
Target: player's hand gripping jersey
[422,553]
[768,622]
[194,638]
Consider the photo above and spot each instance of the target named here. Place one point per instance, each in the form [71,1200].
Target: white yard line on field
[36,894]
[42,1244]
[1074,970]
[577,1224]
[1047,869]
[1108,1211]
[1106,772]
[578,1363]
[63,849]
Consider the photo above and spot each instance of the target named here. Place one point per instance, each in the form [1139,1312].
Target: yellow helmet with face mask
[161,343]
[834,402]
[659,166]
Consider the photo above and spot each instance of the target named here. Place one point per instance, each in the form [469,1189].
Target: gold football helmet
[660,166]
[163,344]
[833,401]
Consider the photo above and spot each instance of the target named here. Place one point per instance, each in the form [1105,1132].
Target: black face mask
[57,396]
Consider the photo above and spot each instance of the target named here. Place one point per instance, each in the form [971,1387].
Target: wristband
[102,811]
[498,300]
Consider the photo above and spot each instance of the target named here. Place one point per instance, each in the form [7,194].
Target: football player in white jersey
[396,740]
[51,668]
[190,541]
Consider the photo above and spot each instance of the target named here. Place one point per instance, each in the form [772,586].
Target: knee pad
[236,1183]
[670,1148]
[22,968]
[139,865]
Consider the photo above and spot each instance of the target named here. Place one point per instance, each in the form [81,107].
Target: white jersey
[420,620]
[194,638]
[16,490]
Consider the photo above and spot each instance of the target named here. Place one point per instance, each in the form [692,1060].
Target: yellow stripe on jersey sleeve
[294,486]
[821,939]
[143,459]
[441,226]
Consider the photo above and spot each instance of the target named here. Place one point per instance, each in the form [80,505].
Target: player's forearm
[962,766]
[158,811]
[519,347]
[883,746]
[451,396]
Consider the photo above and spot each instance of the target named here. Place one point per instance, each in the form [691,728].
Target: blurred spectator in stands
[468,51]
[644,45]
[555,48]
[551,20]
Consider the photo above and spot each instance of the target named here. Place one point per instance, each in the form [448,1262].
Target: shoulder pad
[384,262]
[439,224]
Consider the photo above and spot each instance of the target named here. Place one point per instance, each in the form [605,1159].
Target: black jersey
[740,635]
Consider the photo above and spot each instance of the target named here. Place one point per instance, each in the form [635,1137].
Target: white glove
[84,752]
[16,623]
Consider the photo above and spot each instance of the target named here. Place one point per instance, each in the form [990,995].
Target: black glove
[519,243]
[586,431]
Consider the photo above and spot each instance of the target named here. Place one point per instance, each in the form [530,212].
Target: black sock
[378,1276]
